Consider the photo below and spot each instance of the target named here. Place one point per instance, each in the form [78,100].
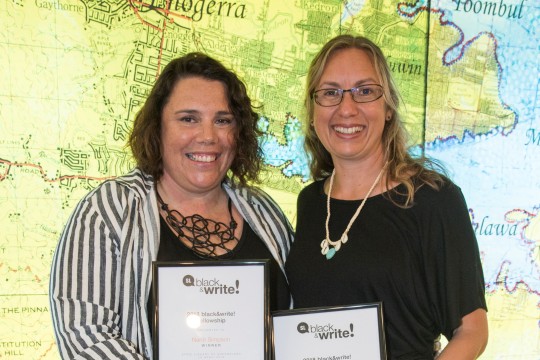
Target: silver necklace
[326,250]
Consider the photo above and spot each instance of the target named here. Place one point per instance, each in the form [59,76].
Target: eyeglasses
[360,94]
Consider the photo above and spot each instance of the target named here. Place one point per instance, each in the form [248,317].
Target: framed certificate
[349,332]
[211,310]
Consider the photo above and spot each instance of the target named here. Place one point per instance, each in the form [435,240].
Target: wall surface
[74,73]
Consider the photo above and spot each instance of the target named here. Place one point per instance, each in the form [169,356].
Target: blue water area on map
[498,171]
[289,153]
[352,8]
[499,174]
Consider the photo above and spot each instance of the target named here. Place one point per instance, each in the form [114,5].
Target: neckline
[179,244]
[321,192]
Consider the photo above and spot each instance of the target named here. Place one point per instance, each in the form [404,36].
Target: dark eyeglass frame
[353,91]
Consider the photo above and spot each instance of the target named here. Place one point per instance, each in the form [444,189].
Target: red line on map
[10,164]
[136,11]
[502,280]
[48,350]
[164,10]
[169,18]
[160,57]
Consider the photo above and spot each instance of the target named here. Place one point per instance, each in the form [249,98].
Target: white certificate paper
[337,333]
[211,310]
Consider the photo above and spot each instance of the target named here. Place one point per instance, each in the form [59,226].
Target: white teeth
[202,158]
[348,130]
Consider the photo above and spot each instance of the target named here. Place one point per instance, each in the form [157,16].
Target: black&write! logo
[212,286]
[325,332]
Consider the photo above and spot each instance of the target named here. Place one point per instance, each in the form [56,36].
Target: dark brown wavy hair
[145,138]
[401,168]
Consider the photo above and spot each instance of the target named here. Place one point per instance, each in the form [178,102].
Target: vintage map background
[74,73]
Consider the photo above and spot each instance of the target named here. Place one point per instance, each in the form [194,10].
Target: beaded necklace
[326,250]
[205,236]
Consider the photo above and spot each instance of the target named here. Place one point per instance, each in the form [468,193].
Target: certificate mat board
[330,333]
[211,310]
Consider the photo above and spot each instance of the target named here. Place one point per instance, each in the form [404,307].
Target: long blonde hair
[401,166]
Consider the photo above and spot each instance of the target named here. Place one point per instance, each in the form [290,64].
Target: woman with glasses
[378,225]
[195,144]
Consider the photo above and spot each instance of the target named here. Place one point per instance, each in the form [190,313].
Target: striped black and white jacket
[101,271]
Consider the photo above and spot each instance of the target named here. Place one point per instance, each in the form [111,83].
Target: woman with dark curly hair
[378,225]
[195,144]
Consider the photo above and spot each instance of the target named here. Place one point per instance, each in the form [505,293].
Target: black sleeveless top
[249,246]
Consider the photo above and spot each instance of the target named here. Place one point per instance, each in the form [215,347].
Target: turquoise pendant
[330,254]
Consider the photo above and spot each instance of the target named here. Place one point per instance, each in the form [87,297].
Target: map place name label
[400,67]
[317,6]
[19,344]
[58,5]
[15,348]
[196,9]
[501,8]
[23,310]
[485,227]
[533,137]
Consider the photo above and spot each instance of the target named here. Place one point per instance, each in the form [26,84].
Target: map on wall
[75,73]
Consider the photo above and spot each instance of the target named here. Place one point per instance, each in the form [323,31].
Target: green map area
[75,73]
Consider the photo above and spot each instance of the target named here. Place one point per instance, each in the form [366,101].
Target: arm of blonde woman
[469,339]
